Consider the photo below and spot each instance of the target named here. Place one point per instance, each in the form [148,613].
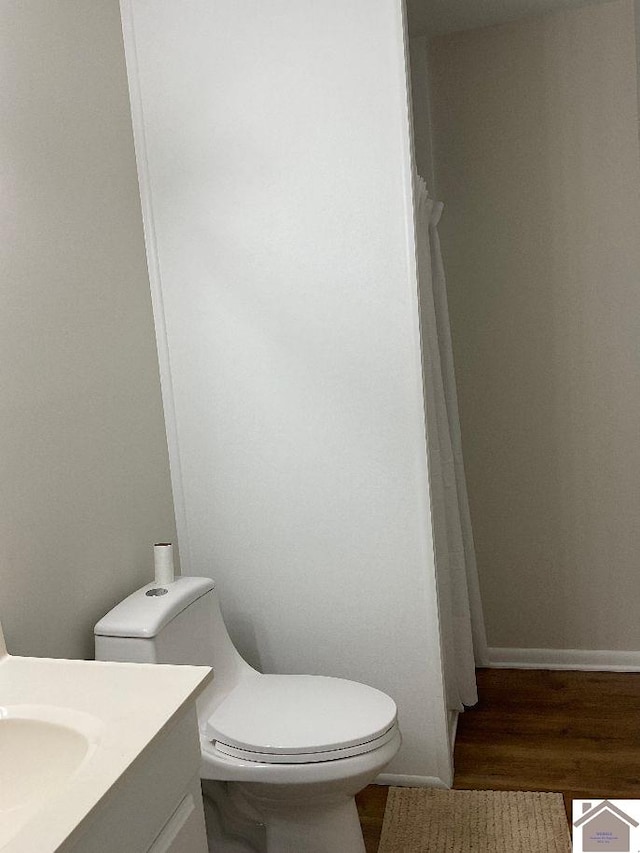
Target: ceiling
[435,17]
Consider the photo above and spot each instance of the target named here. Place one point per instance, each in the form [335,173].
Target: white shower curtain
[461,620]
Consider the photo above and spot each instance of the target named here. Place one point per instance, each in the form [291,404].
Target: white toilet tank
[160,624]
[179,623]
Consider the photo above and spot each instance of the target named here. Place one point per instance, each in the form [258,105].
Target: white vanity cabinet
[184,831]
[156,805]
[111,763]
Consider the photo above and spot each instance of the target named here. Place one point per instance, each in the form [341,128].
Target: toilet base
[313,818]
[231,825]
[316,830]
[327,827]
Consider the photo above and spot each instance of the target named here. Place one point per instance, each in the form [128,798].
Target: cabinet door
[184,832]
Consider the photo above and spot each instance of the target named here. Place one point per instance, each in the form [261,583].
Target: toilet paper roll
[163,562]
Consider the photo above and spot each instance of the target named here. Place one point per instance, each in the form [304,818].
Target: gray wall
[538,163]
[83,460]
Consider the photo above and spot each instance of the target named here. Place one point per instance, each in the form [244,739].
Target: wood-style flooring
[577,733]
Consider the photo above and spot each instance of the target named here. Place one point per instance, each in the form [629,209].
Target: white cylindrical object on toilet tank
[163,562]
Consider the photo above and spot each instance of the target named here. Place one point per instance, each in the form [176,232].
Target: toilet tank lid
[145,612]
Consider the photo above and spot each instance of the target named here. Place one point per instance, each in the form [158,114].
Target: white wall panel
[277,177]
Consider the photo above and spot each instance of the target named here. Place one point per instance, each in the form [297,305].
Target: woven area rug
[429,820]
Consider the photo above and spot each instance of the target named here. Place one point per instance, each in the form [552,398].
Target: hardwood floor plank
[573,732]
[577,733]
[371,805]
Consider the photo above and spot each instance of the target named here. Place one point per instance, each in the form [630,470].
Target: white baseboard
[402,781]
[595,660]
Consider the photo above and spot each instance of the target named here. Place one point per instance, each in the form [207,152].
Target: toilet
[282,755]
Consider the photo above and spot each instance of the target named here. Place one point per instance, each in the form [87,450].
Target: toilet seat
[295,719]
[306,757]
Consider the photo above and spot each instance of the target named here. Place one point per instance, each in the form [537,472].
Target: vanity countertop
[127,706]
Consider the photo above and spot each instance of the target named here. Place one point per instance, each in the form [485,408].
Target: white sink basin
[42,748]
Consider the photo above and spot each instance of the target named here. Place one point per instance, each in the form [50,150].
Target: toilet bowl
[304,806]
[283,754]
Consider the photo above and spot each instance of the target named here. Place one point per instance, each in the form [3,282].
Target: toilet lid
[298,715]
